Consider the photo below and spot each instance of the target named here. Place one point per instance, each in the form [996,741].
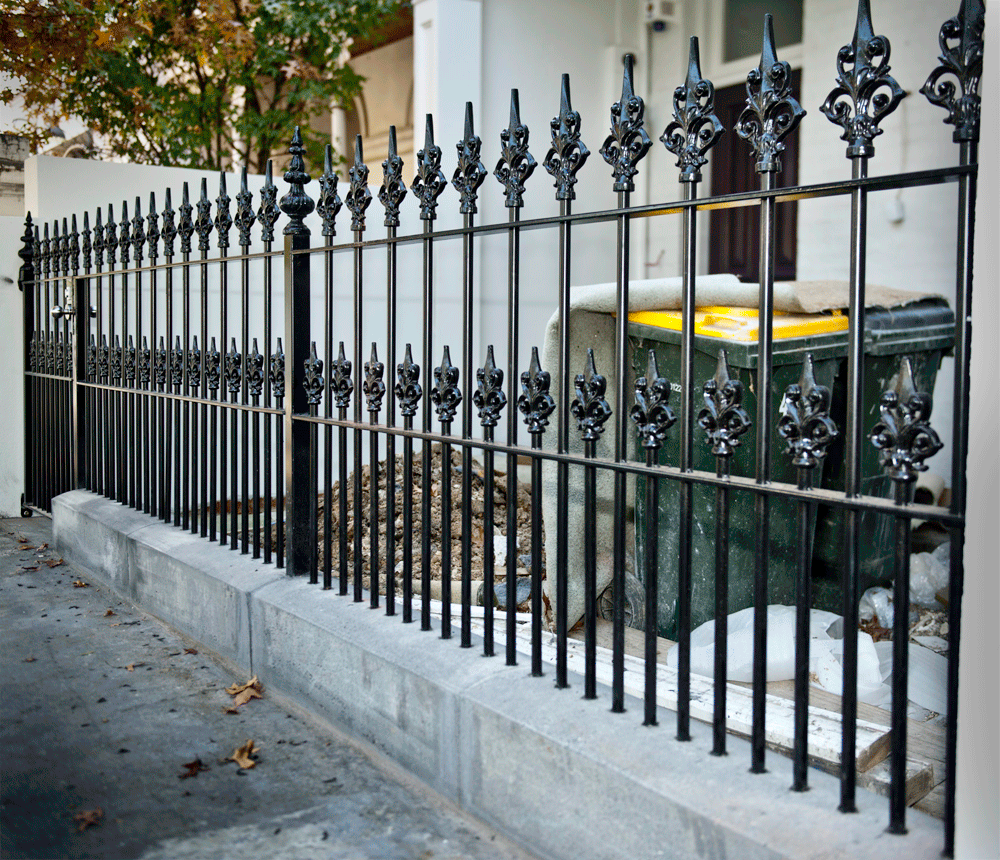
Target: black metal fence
[215,429]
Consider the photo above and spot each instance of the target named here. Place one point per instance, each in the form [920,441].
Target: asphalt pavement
[116,735]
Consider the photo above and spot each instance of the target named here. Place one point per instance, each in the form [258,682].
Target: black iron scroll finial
[177,364]
[124,244]
[393,188]
[160,365]
[515,164]
[313,381]
[144,363]
[92,358]
[695,128]
[152,228]
[470,173]
[169,231]
[652,413]
[373,385]
[771,112]
[329,202]
[223,220]
[43,246]
[74,246]
[535,402]
[723,417]
[267,212]
[255,371]
[244,211]
[87,242]
[276,372]
[203,223]
[185,226]
[408,390]
[429,182]
[194,365]
[488,397]
[341,383]
[864,86]
[568,153]
[904,436]
[590,408]
[104,359]
[27,254]
[446,395]
[213,364]
[805,423]
[234,370]
[359,198]
[628,141]
[138,233]
[100,244]
[961,41]
[296,204]
[116,360]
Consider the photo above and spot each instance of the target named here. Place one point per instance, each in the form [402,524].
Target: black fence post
[79,315]
[301,504]
[26,282]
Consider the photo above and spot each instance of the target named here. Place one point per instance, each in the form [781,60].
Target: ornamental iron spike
[373,386]
[695,128]
[116,360]
[651,413]
[213,365]
[223,220]
[488,397]
[91,358]
[45,247]
[961,42]
[144,363]
[446,395]
[50,354]
[904,436]
[471,172]
[160,365]
[408,390]
[805,422]
[771,111]
[244,211]
[74,246]
[255,372]
[103,359]
[36,251]
[864,85]
[138,232]
[276,372]
[27,254]
[516,163]
[234,368]
[65,251]
[341,383]
[428,182]
[169,232]
[185,226]
[393,188]
[723,417]
[31,355]
[152,230]
[329,202]
[203,223]
[267,212]
[313,381]
[55,248]
[359,198]
[628,141]
[99,242]
[296,204]
[568,153]
[194,365]
[86,242]
[177,364]
[590,408]
[124,244]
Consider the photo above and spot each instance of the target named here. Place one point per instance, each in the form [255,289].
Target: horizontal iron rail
[185,398]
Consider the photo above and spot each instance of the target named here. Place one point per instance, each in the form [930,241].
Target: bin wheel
[635,602]
[27,512]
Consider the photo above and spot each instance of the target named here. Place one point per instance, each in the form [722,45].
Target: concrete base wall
[559,774]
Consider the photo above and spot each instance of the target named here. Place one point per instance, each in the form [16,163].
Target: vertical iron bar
[268,419]
[426,466]
[390,417]
[373,512]
[342,520]
[408,522]
[245,399]
[78,396]
[358,397]
[446,530]
[489,485]
[652,585]
[536,557]
[803,604]
[900,665]
[328,429]
[205,458]
[467,348]
[562,473]
[185,494]
[590,572]
[721,608]
[513,345]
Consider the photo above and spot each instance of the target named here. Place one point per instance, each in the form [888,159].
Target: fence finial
[695,128]
[267,212]
[652,413]
[408,390]
[86,243]
[296,204]
[961,41]
[628,141]
[805,423]
[169,232]
[723,417]
[471,172]
[488,397]
[223,220]
[446,395]
[429,182]
[244,211]
[152,228]
[373,386]
[203,223]
[124,245]
[590,408]
[341,384]
[329,202]
[138,232]
[186,226]
[535,402]
[516,163]
[393,188]
[27,271]
[568,153]
[359,198]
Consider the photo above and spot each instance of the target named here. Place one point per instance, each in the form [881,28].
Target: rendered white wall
[11,358]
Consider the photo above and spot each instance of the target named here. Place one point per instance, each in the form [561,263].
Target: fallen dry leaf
[29,659]
[193,768]
[87,818]
[43,546]
[241,755]
[230,710]
[54,562]
[190,650]
[239,688]
[26,548]
[109,612]
[33,567]
[22,539]
[245,696]
[131,666]
[79,583]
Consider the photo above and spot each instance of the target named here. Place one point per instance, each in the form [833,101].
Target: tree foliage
[193,83]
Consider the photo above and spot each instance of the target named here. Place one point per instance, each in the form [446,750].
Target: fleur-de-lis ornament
[904,436]
[169,231]
[535,402]
[470,173]
[116,359]
[121,242]
[805,422]
[590,409]
[138,233]
[296,204]
[373,386]
[329,202]
[771,112]
[86,243]
[429,182]
[359,198]
[313,381]
[515,164]
[341,383]
[32,354]
[74,247]
[223,220]
[185,226]
[244,211]
[723,417]
[865,91]
[568,153]
[267,212]
[103,359]
[628,141]
[160,365]
[234,370]
[408,390]
[145,358]
[446,395]
[255,372]
[695,128]
[276,372]
[194,365]
[961,41]
[177,364]
[91,358]
[213,367]
[152,227]
[203,223]
[393,188]
[99,245]
[651,413]
[488,397]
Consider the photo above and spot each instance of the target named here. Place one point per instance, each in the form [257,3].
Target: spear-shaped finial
[567,153]
[516,163]
[429,182]
[393,188]
[296,204]
[961,42]
[244,211]
[223,220]
[470,173]
[695,127]
[628,141]
[359,198]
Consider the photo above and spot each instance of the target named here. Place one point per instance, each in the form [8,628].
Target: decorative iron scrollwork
[961,41]
[340,382]
[408,390]
[110,238]
[104,359]
[27,254]
[91,357]
[124,243]
[695,128]
[805,422]
[138,232]
[203,223]
[393,189]
[652,414]
[32,349]
[535,402]
[771,113]
[590,409]
[45,245]
[177,364]
[169,231]
[904,436]
[160,365]
[255,372]
[516,163]
[213,367]
[723,417]
[185,226]
[296,204]
[267,212]
[568,153]
[628,141]
[488,397]
[429,182]
[373,386]
[245,218]
[86,242]
[276,372]
[144,363]
[74,247]
[152,228]
[194,366]
[470,172]
[359,198]
[446,395]
[313,381]
[116,360]
[234,370]
[329,202]
[223,220]
[99,245]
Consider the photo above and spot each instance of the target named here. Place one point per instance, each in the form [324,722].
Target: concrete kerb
[549,769]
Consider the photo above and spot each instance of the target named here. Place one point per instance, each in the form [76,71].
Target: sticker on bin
[740,324]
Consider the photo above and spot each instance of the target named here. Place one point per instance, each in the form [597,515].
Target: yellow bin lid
[740,324]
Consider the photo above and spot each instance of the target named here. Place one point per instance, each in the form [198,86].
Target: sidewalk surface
[103,708]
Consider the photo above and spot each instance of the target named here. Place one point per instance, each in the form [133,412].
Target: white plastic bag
[876,602]
[927,576]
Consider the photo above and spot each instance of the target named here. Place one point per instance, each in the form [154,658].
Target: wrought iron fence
[217,430]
